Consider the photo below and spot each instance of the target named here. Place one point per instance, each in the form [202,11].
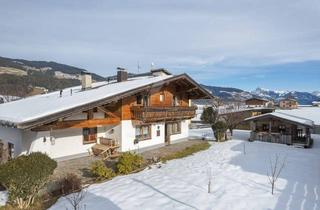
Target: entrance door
[167,134]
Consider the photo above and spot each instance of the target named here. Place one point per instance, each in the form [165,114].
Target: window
[299,133]
[282,128]
[89,135]
[143,132]
[174,128]
[161,97]
[158,130]
[265,127]
[139,100]
[175,101]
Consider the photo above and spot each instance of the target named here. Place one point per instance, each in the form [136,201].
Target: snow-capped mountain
[316,93]
[235,94]
[304,98]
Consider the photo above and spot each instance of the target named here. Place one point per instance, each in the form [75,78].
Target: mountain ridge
[228,94]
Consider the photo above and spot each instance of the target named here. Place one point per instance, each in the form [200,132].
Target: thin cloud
[222,38]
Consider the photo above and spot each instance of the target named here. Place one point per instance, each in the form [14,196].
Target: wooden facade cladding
[155,114]
[255,101]
[112,116]
[160,105]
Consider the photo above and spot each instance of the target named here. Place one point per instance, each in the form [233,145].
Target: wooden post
[270,126]
[308,136]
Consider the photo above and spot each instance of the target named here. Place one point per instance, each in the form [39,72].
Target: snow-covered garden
[238,173]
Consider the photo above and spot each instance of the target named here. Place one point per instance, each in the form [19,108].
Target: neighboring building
[258,102]
[311,113]
[316,103]
[281,128]
[141,111]
[288,103]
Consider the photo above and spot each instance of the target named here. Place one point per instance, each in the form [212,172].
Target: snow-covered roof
[40,106]
[291,118]
[256,98]
[311,113]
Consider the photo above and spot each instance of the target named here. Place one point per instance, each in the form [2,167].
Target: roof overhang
[199,93]
[272,116]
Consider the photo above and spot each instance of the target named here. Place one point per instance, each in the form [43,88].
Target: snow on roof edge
[285,116]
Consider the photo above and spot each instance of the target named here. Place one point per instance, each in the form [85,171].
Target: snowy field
[239,181]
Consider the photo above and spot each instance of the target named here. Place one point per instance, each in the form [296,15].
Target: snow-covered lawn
[239,181]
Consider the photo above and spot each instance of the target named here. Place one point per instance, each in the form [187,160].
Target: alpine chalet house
[132,111]
[288,103]
[258,102]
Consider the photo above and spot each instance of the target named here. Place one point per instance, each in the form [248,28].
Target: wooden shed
[281,128]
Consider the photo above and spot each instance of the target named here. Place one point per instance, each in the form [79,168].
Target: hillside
[20,77]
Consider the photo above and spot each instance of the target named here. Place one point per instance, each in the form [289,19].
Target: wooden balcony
[155,114]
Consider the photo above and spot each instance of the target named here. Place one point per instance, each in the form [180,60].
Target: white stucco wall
[65,142]
[11,135]
[184,132]
[128,135]
[69,142]
[113,132]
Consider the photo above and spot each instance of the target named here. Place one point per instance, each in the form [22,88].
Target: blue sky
[273,44]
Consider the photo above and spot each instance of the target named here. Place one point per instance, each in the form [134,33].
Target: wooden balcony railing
[154,113]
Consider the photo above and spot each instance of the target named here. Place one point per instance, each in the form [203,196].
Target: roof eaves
[65,113]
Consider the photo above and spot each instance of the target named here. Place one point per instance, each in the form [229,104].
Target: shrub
[24,176]
[129,162]
[100,170]
[187,151]
[220,129]
[70,184]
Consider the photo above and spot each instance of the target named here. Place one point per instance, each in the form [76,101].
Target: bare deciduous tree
[232,120]
[275,168]
[75,199]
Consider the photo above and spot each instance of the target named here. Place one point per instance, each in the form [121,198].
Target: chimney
[86,80]
[122,74]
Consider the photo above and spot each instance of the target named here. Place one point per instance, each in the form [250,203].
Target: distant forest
[18,85]
[23,85]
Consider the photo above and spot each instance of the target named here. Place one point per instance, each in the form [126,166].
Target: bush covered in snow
[129,162]
[101,171]
[24,176]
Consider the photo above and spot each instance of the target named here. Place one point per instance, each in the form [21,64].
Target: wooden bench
[108,148]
